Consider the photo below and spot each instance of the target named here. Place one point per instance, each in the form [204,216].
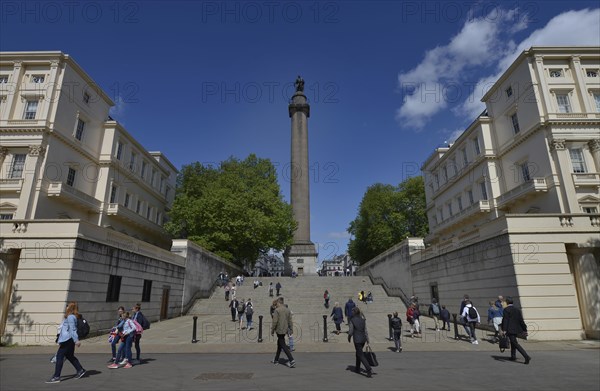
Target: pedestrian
[281,325]
[514,325]
[249,313]
[256,284]
[500,302]
[348,308]
[412,317]
[445,317]
[472,319]
[233,304]
[278,287]
[326,298]
[139,317]
[397,329]
[241,308]
[462,319]
[495,317]
[272,308]
[434,312]
[338,317]
[358,332]
[67,340]
[115,332]
[227,291]
[271,289]
[127,336]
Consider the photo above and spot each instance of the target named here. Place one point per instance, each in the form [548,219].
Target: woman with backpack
[434,312]
[115,332]
[472,318]
[249,313]
[143,322]
[67,340]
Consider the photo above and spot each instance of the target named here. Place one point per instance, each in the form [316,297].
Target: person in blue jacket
[348,309]
[67,340]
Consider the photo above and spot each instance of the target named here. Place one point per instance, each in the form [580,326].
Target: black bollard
[455,326]
[260,339]
[194,340]
[325,328]
[391,338]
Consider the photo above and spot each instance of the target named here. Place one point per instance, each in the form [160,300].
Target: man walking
[282,324]
[514,325]
[278,287]
[348,309]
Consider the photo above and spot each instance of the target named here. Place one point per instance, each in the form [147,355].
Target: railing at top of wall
[394,292]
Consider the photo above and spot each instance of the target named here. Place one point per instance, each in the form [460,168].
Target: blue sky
[205,80]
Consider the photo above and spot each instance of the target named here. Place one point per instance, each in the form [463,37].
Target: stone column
[564,172]
[301,255]
[30,174]
[594,146]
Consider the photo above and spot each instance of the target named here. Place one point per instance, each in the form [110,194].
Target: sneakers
[54,380]
[291,364]
[127,366]
[112,360]
[398,350]
[276,362]
[113,366]
[475,342]
[123,362]
[80,374]
[369,374]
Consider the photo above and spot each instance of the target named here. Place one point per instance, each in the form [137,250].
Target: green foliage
[387,215]
[235,210]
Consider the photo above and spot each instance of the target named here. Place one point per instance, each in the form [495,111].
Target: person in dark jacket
[233,304]
[338,317]
[358,332]
[348,309]
[118,327]
[397,328]
[141,319]
[278,287]
[445,317]
[514,325]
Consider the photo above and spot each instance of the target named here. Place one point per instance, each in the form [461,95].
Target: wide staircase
[304,296]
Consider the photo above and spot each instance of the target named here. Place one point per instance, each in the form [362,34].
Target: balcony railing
[586,179]
[559,116]
[121,212]
[71,194]
[477,207]
[11,185]
[531,186]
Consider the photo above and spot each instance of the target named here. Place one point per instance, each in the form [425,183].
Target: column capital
[17,64]
[3,152]
[557,144]
[36,150]
[594,145]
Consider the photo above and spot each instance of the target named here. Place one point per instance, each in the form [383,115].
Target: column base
[302,259]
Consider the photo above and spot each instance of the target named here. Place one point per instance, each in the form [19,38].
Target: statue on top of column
[299,84]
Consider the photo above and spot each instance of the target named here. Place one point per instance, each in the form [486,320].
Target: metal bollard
[260,318]
[391,338]
[325,328]
[194,340]
[455,326]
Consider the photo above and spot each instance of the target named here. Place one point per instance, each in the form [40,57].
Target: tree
[387,215]
[236,210]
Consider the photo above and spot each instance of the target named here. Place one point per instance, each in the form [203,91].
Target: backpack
[240,307]
[249,310]
[472,313]
[396,324]
[435,308]
[138,327]
[83,327]
[145,323]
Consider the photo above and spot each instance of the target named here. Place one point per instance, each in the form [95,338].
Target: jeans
[471,327]
[138,351]
[360,357]
[125,348]
[398,339]
[248,321]
[66,349]
[281,345]
[113,346]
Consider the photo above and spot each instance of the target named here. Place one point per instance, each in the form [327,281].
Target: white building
[513,203]
[82,204]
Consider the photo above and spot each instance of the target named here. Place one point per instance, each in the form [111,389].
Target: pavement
[228,359]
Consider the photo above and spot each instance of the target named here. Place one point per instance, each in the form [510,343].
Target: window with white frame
[459,202]
[4,79]
[119,150]
[577,160]
[515,123]
[17,166]
[524,166]
[482,187]
[591,72]
[127,199]
[589,209]
[37,79]
[162,183]
[113,194]
[476,145]
[555,72]
[449,206]
[132,160]
[445,173]
[471,199]
[168,190]
[143,173]
[6,216]
[148,212]
[31,107]
[441,214]
[71,177]
[80,128]
[465,158]
[562,101]
[509,92]
[152,177]
[597,101]
[436,178]
[138,206]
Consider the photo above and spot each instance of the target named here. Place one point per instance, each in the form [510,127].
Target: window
[563,103]
[597,101]
[147,290]
[114,288]
[484,195]
[18,164]
[464,155]
[159,218]
[515,123]
[441,213]
[138,206]
[577,160]
[86,98]
[119,151]
[37,79]
[143,173]
[445,173]
[3,79]
[148,212]
[126,202]
[6,216]
[470,194]
[556,72]
[525,171]
[450,209]
[167,191]
[79,131]
[30,109]
[71,177]
[476,146]
[113,194]
[459,202]
[132,160]
[152,177]
[509,92]
[591,72]
[589,209]
[162,183]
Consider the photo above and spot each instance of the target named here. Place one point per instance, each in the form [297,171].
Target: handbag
[504,343]
[371,357]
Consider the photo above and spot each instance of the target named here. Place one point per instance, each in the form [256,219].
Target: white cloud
[338,235]
[441,79]
[119,108]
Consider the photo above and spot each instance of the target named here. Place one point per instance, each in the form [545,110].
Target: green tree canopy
[235,210]
[387,215]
